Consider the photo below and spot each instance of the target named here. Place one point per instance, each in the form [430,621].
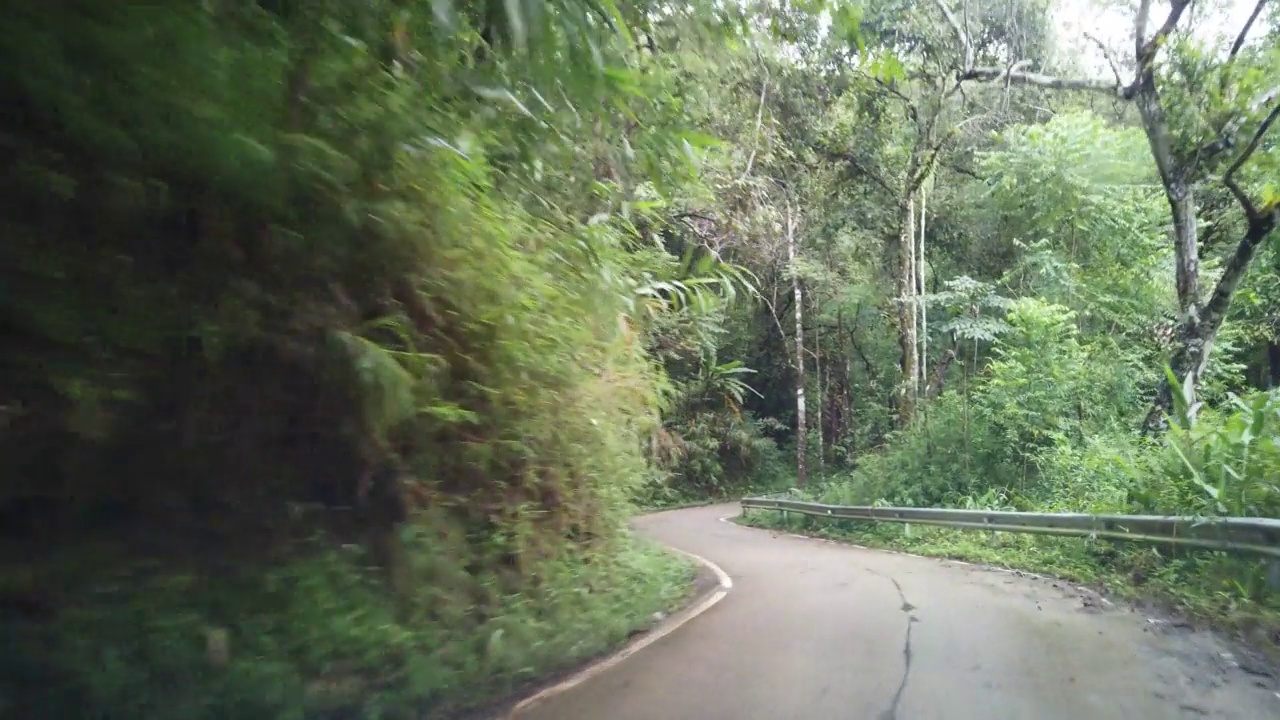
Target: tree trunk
[1198,323]
[924,325]
[1199,330]
[1182,208]
[940,373]
[845,425]
[822,401]
[904,285]
[1272,379]
[801,439]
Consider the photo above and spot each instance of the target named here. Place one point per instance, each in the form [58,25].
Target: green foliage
[715,454]
[457,286]
[282,279]
[319,638]
[1046,211]
[1091,233]
[1043,393]
[1223,464]
[965,299]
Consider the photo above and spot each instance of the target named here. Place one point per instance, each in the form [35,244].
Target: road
[814,630]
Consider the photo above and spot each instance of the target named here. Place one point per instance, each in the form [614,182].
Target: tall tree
[909,58]
[1214,137]
[802,448]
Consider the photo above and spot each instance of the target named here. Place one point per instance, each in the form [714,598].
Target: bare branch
[1014,75]
[1020,77]
[1228,178]
[755,143]
[854,163]
[691,215]
[1106,53]
[961,32]
[1226,140]
[1147,50]
[1140,27]
[1244,31]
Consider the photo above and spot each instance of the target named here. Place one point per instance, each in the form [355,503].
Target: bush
[321,638]
[1043,397]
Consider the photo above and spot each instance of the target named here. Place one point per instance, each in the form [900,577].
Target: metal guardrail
[1245,536]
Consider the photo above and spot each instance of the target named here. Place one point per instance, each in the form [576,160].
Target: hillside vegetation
[341,341]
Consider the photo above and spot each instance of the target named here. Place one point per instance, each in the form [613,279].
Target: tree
[913,64]
[1222,133]
[802,447]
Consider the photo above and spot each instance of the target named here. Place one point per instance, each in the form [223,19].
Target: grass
[1209,588]
[321,639]
[580,615]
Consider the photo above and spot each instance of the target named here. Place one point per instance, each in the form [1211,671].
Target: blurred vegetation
[327,338]
[340,342]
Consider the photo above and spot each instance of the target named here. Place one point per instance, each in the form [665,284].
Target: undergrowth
[318,638]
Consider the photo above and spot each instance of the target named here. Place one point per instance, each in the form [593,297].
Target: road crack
[892,712]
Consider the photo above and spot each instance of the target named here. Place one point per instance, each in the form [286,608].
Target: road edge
[1162,615]
[673,623]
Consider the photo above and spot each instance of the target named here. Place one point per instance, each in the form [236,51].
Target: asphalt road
[814,630]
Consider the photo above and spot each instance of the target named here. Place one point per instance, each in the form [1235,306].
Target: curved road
[814,630]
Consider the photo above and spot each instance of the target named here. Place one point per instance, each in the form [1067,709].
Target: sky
[1114,26]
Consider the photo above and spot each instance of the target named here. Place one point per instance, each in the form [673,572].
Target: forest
[342,340]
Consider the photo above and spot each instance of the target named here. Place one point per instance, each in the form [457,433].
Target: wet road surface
[814,630]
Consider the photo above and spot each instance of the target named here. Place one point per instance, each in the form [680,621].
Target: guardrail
[1245,536]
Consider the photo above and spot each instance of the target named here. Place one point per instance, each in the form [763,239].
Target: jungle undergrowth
[319,638]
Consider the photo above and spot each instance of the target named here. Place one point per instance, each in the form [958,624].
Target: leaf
[847,25]
[1195,474]
[888,68]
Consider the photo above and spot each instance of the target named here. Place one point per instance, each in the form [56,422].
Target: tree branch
[892,91]
[1147,50]
[1140,27]
[692,214]
[1106,53]
[755,143]
[1226,140]
[961,32]
[1144,49]
[961,170]
[1019,77]
[856,165]
[1228,178]
[1244,31]
[1215,310]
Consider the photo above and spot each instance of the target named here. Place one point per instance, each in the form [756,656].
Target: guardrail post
[1273,574]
